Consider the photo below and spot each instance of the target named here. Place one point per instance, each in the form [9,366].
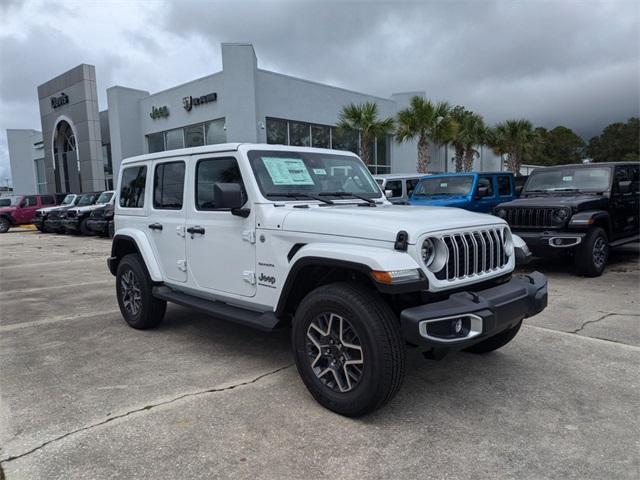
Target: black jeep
[580,209]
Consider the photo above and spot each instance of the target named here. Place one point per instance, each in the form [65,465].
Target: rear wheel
[133,288]
[348,348]
[592,254]
[84,230]
[497,341]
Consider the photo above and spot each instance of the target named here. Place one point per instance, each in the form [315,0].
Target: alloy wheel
[335,352]
[130,291]
[600,252]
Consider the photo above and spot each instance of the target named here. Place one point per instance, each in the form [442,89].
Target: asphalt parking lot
[82,395]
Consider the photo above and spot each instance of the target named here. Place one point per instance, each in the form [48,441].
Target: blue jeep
[479,192]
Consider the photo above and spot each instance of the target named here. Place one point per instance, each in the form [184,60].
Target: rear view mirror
[229,196]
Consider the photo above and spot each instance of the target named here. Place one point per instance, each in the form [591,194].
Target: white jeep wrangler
[267,235]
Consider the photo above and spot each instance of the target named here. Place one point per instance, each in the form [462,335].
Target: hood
[382,222]
[7,209]
[89,208]
[48,209]
[580,202]
[441,201]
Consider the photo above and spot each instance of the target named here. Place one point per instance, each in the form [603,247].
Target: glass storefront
[208,133]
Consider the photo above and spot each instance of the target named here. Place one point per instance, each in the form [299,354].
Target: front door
[28,207]
[484,204]
[166,223]
[220,245]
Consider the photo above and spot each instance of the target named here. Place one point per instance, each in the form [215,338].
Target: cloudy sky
[561,62]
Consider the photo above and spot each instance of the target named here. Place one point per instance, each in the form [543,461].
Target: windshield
[88,199]
[68,200]
[15,201]
[105,197]
[569,179]
[282,174]
[454,185]
[5,202]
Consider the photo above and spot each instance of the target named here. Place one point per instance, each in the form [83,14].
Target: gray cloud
[570,63]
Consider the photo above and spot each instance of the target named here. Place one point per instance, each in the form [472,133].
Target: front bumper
[539,241]
[98,225]
[71,224]
[482,314]
[54,225]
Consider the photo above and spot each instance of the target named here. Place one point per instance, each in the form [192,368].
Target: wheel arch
[592,218]
[132,241]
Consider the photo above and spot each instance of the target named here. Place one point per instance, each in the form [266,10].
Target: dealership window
[168,186]
[41,178]
[208,173]
[320,136]
[194,136]
[380,156]
[277,131]
[133,185]
[155,142]
[174,139]
[344,139]
[108,167]
[299,134]
[215,132]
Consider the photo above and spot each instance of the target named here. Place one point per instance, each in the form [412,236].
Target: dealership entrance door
[66,162]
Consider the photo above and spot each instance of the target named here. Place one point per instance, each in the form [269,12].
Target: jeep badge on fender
[358,286]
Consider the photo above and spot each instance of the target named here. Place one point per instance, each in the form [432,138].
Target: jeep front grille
[473,253]
[530,217]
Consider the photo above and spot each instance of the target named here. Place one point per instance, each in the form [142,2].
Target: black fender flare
[584,220]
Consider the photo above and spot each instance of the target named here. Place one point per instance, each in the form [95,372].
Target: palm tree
[513,138]
[426,121]
[473,133]
[364,117]
[458,114]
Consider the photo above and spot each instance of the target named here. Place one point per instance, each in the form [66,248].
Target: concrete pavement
[82,395]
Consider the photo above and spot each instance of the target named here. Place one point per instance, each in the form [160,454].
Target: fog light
[457,325]
[558,241]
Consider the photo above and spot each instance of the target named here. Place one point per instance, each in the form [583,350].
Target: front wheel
[4,225]
[592,254]
[137,304]
[348,348]
[84,229]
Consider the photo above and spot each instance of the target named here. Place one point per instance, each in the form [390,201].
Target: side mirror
[229,196]
[388,193]
[624,186]
[482,192]
[23,203]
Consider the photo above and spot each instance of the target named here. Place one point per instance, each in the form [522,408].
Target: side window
[132,187]
[620,174]
[47,200]
[212,171]
[396,188]
[30,201]
[634,174]
[411,185]
[168,186]
[485,182]
[504,185]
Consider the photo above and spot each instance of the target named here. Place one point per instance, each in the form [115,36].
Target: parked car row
[86,214]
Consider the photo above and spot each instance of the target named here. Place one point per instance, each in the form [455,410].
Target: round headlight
[428,252]
[508,242]
[560,215]
[501,212]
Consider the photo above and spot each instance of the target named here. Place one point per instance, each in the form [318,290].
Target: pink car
[21,209]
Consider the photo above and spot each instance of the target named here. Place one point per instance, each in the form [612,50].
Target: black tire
[110,230]
[497,341]
[84,230]
[592,254]
[372,325]
[4,225]
[149,310]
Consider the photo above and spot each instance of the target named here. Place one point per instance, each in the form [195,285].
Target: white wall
[22,156]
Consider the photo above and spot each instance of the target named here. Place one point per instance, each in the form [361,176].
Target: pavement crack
[144,409]
[606,315]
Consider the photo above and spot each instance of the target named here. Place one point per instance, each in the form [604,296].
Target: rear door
[505,188]
[221,246]
[624,214]
[167,217]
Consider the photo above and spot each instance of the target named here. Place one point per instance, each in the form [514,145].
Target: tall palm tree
[426,121]
[364,118]
[513,138]
[473,133]
[458,115]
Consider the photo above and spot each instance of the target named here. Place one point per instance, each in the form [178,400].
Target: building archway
[66,160]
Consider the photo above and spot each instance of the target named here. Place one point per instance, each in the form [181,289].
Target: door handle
[196,229]
[155,226]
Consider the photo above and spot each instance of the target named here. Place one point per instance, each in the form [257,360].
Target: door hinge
[249,236]
[182,265]
[180,230]
[249,277]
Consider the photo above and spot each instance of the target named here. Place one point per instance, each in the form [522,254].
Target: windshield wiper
[300,194]
[347,194]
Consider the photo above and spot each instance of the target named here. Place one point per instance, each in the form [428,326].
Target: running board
[623,241]
[266,321]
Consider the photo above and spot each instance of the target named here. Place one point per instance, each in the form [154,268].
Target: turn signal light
[395,276]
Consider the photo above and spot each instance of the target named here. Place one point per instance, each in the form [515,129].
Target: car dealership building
[80,148]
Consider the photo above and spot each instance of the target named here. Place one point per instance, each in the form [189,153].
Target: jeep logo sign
[189,102]
[159,112]
[56,102]
[267,279]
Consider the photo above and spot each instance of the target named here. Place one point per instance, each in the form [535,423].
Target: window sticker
[443,184]
[287,171]
[567,178]
[319,171]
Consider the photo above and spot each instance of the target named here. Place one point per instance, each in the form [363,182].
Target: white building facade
[83,147]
